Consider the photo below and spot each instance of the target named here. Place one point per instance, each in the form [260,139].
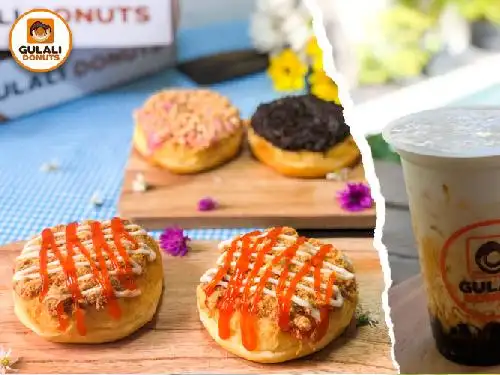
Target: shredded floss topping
[80,252]
[280,264]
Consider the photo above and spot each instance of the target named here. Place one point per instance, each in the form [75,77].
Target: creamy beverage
[451,164]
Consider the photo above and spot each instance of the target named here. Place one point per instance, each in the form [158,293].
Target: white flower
[297,29]
[6,361]
[279,8]
[297,39]
[265,33]
[341,175]
[139,185]
[280,23]
[96,199]
[51,166]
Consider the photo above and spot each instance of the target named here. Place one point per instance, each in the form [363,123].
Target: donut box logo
[40,40]
[40,31]
[483,255]
[470,268]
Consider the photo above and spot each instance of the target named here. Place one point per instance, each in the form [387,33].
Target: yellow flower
[317,64]
[287,71]
[312,48]
[315,53]
[324,87]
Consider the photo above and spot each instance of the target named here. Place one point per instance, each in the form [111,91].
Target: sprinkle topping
[195,118]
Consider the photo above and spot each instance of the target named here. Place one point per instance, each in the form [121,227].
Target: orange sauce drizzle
[210,288]
[237,294]
[99,268]
[100,244]
[280,289]
[323,323]
[248,319]
[228,301]
[316,262]
[124,272]
[63,318]
[47,244]
[69,270]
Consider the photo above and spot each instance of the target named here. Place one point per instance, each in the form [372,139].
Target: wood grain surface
[250,195]
[176,342]
[414,348]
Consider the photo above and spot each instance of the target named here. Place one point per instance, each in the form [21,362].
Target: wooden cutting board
[414,349]
[250,195]
[176,342]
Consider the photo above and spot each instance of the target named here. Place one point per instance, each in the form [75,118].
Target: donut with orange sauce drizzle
[274,296]
[88,282]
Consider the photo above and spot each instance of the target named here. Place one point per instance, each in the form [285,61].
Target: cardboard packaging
[86,71]
[115,43]
[102,23]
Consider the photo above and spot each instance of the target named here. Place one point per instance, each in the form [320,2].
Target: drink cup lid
[447,132]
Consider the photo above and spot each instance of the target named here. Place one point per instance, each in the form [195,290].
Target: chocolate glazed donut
[301,123]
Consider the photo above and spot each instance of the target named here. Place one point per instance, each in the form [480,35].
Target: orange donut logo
[40,40]
[470,269]
[40,30]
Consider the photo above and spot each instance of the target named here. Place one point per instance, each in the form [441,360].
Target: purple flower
[355,197]
[207,204]
[174,242]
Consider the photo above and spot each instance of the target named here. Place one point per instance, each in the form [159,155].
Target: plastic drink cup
[451,165]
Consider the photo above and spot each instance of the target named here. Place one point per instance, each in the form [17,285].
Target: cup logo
[487,257]
[470,269]
[40,31]
[40,40]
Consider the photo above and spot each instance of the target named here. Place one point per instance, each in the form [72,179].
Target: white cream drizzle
[306,249]
[32,249]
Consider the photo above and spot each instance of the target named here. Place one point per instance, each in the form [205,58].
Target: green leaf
[363,318]
[407,62]
[474,10]
[492,13]
[372,71]
[381,149]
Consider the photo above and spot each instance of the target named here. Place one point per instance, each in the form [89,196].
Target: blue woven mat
[91,138]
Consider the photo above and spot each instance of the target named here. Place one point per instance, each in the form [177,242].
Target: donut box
[86,71]
[97,24]
[115,44]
